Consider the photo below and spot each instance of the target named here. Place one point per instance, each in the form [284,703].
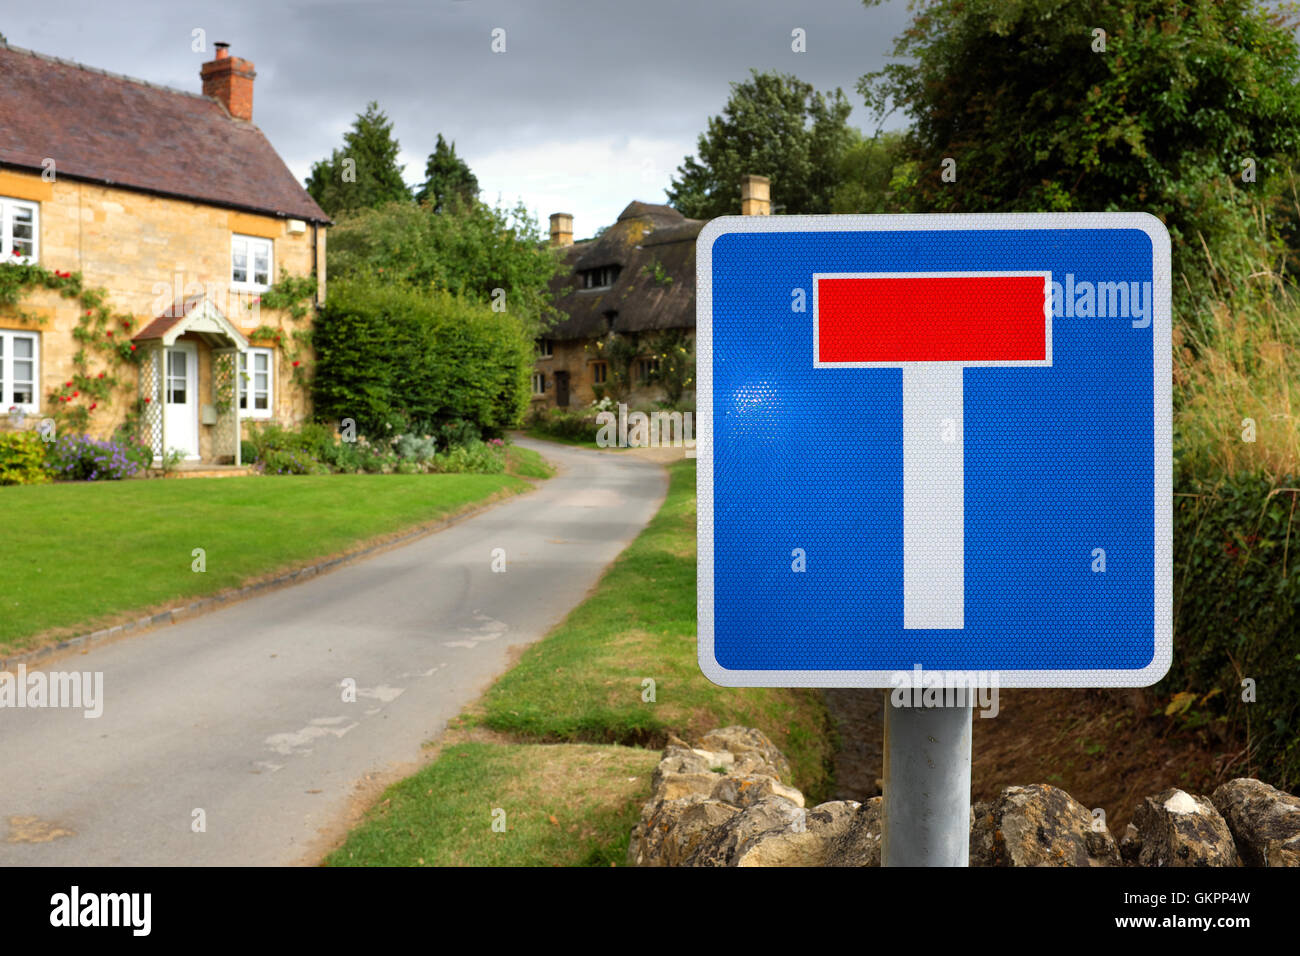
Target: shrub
[1237,615]
[416,448]
[82,458]
[247,452]
[22,459]
[458,432]
[562,423]
[386,351]
[480,458]
[281,461]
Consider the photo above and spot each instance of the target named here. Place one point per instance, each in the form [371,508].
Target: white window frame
[539,383]
[246,389]
[7,337]
[250,244]
[545,348]
[8,204]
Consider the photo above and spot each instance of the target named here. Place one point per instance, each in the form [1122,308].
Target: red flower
[295,364]
[101,374]
[146,401]
[94,405]
[110,333]
[90,312]
[67,385]
[133,348]
[17,253]
[76,394]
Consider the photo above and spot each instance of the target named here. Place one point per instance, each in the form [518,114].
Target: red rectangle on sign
[931,319]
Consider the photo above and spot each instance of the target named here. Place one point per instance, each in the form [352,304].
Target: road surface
[239,713]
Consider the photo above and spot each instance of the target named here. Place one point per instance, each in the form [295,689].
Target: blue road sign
[935,441]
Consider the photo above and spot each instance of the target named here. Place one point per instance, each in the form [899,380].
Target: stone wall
[727,801]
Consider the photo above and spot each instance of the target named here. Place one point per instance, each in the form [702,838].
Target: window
[250,263]
[545,348]
[255,371]
[18,230]
[599,372]
[601,278]
[539,383]
[20,354]
[178,379]
[647,367]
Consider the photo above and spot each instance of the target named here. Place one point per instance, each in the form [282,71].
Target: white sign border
[1161,332]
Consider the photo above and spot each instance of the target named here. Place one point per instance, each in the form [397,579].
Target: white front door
[180,399]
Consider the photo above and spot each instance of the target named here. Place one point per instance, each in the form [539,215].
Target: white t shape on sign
[933,325]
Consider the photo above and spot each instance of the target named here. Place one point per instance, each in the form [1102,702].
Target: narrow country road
[240,713]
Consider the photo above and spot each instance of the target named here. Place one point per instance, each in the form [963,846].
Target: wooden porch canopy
[200,317]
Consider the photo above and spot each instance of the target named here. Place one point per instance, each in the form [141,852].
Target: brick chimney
[561,229]
[755,196]
[230,79]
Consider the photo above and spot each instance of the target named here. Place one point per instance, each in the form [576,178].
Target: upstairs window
[250,263]
[19,222]
[255,371]
[647,368]
[601,278]
[545,348]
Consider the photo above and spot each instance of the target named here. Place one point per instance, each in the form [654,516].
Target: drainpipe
[315,295]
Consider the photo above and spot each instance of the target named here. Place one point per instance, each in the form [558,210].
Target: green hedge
[389,355]
[22,459]
[1237,615]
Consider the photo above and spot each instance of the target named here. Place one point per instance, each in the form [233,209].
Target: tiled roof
[112,129]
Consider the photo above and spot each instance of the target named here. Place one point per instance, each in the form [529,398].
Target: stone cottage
[627,288]
[175,205]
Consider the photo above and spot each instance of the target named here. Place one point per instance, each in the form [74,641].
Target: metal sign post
[927,786]
[941,444]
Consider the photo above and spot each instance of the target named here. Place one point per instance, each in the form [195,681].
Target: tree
[447,175]
[773,125]
[469,250]
[364,173]
[869,174]
[1042,113]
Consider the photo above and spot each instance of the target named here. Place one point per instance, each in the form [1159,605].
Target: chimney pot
[561,229]
[755,196]
[229,79]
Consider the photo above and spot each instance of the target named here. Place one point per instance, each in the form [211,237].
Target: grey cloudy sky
[593,104]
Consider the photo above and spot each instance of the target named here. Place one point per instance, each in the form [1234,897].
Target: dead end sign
[941,441]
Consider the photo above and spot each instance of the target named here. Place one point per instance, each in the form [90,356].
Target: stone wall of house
[144,250]
[726,801]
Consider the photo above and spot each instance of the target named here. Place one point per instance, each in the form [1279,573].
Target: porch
[190,390]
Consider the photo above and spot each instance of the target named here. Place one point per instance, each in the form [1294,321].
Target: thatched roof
[647,239]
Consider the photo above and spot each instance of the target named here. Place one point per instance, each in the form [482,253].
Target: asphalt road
[239,713]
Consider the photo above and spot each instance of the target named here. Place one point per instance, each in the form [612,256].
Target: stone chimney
[230,80]
[755,196]
[561,229]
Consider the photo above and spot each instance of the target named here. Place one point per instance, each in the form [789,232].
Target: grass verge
[81,555]
[583,738]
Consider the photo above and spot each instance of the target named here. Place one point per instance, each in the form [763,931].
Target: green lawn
[583,739]
[78,556]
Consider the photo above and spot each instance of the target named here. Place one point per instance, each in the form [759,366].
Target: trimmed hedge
[1237,613]
[389,355]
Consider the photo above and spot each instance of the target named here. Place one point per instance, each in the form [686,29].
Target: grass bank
[572,733]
